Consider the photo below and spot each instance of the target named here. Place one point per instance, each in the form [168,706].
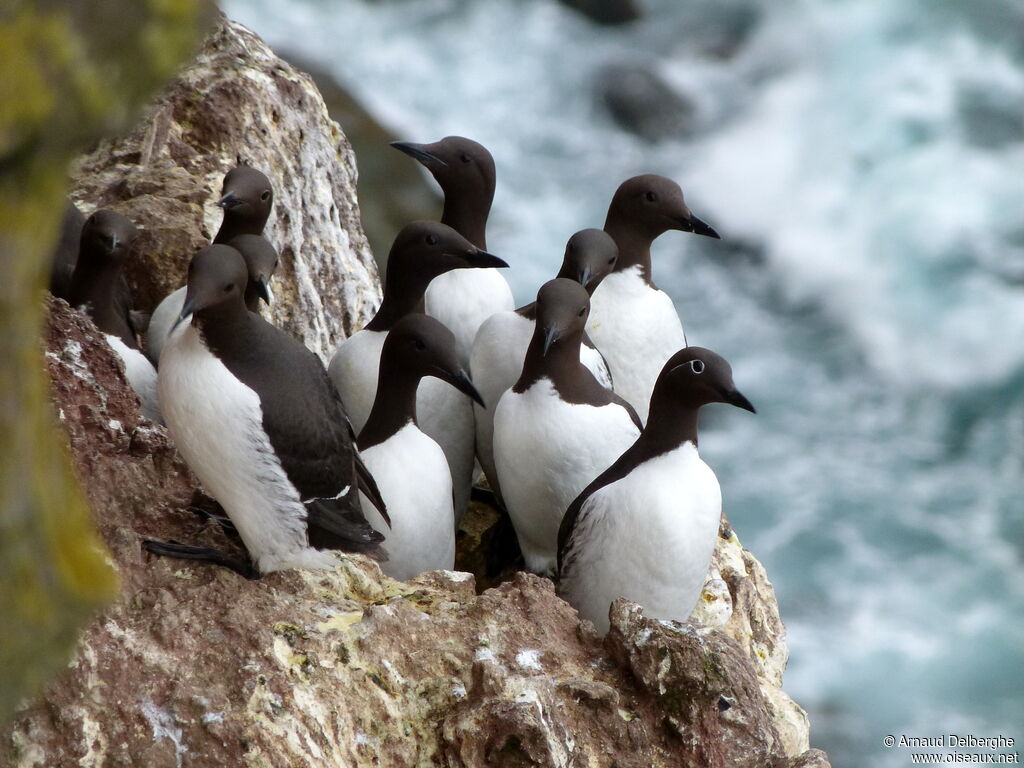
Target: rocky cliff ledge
[194,666]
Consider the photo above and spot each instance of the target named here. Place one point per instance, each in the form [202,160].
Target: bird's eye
[228,287]
[419,345]
[582,312]
[465,157]
[652,197]
[265,196]
[697,366]
[277,263]
[611,261]
[432,239]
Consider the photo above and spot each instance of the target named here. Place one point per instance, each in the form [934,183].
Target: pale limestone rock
[239,103]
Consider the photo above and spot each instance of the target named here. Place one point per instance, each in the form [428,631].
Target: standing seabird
[462,300]
[410,468]
[258,421]
[65,251]
[421,251]
[557,428]
[501,343]
[633,323]
[98,287]
[645,529]
[247,198]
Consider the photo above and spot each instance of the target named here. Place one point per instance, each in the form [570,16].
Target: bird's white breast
[141,375]
[546,451]
[414,481]
[161,321]
[495,365]
[217,423]
[637,329]
[444,413]
[463,298]
[648,537]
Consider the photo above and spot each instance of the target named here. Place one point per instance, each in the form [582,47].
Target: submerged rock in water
[238,103]
[641,102]
[196,666]
[607,12]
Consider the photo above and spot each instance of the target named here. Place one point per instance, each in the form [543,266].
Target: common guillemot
[98,287]
[557,428]
[65,251]
[633,323]
[645,529]
[463,300]
[501,343]
[247,198]
[421,251]
[255,416]
[410,468]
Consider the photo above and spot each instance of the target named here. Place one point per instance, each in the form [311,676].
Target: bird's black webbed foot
[185,552]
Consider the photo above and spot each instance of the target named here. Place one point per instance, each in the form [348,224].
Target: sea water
[864,163]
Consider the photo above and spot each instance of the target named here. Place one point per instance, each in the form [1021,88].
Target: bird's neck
[222,324]
[561,364]
[467,215]
[394,405]
[669,425]
[396,304]
[634,247]
[234,225]
[94,283]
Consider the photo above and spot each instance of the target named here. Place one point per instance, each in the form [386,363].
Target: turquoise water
[864,162]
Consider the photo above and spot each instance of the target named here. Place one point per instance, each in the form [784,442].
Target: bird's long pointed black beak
[186,309]
[736,398]
[551,334]
[699,227]
[263,289]
[585,275]
[229,201]
[462,382]
[418,152]
[481,259]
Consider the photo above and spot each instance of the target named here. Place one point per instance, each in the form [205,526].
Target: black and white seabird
[557,428]
[99,288]
[633,323]
[645,529]
[65,251]
[421,251]
[247,198]
[501,343]
[409,467]
[462,300]
[258,421]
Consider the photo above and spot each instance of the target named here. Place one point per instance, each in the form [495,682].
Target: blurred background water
[864,162]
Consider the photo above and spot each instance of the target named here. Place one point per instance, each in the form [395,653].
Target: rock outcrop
[194,666]
[238,103]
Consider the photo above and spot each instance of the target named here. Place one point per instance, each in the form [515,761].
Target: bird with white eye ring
[645,528]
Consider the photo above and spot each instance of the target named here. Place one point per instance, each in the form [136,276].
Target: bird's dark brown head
[695,376]
[563,307]
[429,248]
[107,238]
[261,261]
[458,164]
[216,277]
[247,198]
[418,346]
[590,256]
[652,204]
